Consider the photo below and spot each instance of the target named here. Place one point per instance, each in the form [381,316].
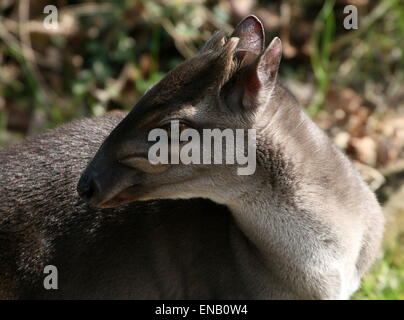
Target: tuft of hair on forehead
[216,63]
[228,60]
[209,69]
[218,57]
[228,56]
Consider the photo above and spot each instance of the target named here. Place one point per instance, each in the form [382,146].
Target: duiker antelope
[303,226]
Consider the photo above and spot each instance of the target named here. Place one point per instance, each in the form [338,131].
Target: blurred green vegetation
[387,279]
[323,33]
[106,54]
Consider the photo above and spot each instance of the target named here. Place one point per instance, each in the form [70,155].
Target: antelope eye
[181,127]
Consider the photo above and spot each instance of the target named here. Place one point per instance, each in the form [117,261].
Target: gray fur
[304,226]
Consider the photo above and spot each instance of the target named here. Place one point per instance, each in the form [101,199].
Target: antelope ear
[260,78]
[251,87]
[251,34]
[268,64]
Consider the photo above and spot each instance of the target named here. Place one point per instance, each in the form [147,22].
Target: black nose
[86,187]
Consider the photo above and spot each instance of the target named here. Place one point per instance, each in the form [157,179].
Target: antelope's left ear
[268,63]
[259,79]
[252,85]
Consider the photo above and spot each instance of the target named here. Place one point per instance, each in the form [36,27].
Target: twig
[186,50]
[218,24]
[13,42]
[393,169]
[42,95]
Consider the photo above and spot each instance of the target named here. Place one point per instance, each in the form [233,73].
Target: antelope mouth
[125,196]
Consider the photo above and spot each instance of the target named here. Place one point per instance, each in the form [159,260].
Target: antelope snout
[87,187]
